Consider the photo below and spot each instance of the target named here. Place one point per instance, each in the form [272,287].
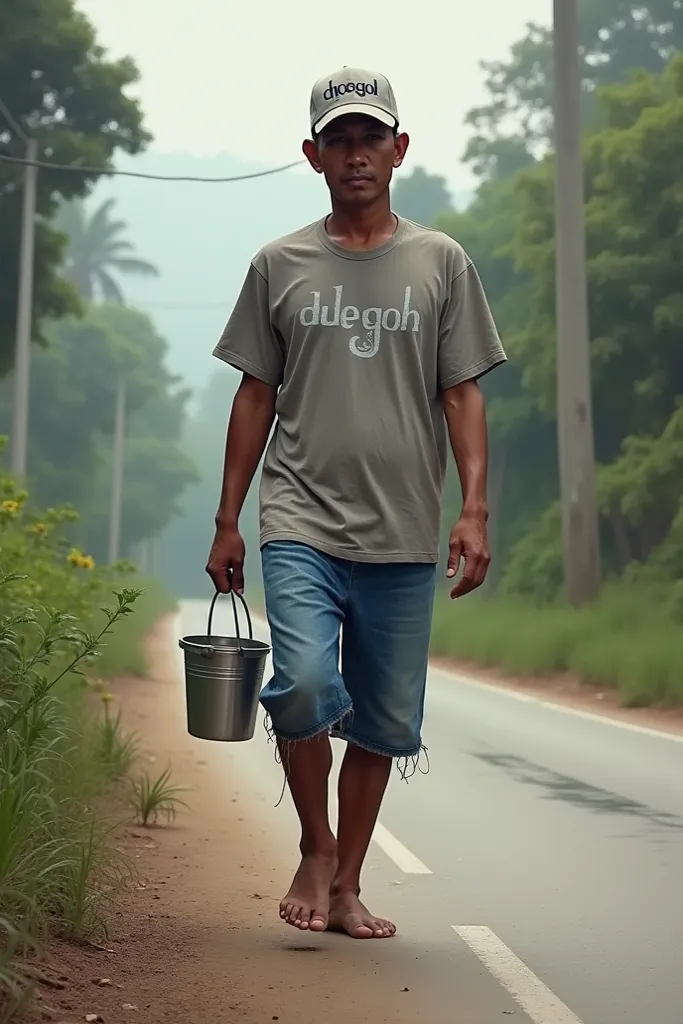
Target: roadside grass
[124,650]
[64,756]
[631,640]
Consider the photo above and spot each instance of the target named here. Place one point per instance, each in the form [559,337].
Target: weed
[116,750]
[152,800]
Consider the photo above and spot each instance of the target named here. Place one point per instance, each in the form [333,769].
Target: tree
[421,196]
[96,250]
[60,87]
[519,487]
[188,538]
[617,36]
[635,249]
[73,388]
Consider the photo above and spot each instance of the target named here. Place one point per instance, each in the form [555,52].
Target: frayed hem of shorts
[339,719]
[408,762]
[329,725]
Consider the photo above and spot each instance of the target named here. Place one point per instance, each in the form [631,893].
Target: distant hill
[202,237]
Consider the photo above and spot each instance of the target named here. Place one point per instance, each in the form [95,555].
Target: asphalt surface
[535,872]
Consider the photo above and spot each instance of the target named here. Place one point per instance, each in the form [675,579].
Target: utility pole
[576,446]
[118,455]
[22,355]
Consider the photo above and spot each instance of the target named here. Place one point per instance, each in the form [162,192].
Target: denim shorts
[350,647]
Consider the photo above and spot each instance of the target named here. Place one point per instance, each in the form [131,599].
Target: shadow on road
[580,794]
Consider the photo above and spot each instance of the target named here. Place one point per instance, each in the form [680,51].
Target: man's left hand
[468,543]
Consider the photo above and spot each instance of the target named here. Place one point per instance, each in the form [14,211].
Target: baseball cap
[352,91]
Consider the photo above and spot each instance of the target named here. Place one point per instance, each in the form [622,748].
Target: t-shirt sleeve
[469,345]
[250,342]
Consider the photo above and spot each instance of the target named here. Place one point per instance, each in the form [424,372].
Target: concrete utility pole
[574,406]
[118,456]
[22,356]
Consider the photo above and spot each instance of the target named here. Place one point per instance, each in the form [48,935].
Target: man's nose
[356,155]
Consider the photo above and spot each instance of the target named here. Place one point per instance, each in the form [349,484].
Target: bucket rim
[248,647]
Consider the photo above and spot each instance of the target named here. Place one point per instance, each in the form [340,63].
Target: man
[362,337]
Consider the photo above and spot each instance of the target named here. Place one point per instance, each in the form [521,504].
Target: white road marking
[549,705]
[408,863]
[530,994]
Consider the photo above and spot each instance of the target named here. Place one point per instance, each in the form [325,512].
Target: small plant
[90,880]
[152,800]
[114,748]
[14,985]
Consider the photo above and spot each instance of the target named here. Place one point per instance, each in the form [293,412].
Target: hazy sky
[219,76]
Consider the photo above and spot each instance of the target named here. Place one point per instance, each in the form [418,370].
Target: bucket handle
[234,612]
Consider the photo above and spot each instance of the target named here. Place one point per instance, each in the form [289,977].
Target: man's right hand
[226,561]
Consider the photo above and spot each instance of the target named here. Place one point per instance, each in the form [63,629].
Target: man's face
[357,156]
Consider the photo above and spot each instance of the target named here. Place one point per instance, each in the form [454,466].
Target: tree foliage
[187,541]
[60,87]
[73,395]
[617,37]
[97,251]
[421,196]
[634,209]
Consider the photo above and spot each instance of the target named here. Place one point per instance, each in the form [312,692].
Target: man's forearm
[466,418]
[251,420]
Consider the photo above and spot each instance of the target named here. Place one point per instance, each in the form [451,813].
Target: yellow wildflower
[80,560]
[39,528]
[107,698]
[10,507]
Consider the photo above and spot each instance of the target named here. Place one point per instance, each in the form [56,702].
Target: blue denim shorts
[350,647]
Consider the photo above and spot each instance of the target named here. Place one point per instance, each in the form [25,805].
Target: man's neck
[366,227]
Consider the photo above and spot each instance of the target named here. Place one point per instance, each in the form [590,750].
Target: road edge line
[536,1000]
[402,857]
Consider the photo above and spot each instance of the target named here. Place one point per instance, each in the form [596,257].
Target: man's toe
[318,923]
[292,913]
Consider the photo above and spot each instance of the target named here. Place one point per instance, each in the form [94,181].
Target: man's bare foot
[347,914]
[307,904]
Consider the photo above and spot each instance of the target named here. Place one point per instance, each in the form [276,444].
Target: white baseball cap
[352,91]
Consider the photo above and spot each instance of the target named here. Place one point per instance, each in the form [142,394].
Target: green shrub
[61,750]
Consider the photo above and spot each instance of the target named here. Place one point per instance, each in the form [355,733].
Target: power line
[76,168]
[144,303]
[12,121]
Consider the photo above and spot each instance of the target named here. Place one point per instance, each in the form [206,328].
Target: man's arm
[466,418]
[251,420]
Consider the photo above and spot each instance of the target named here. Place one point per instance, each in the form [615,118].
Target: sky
[220,77]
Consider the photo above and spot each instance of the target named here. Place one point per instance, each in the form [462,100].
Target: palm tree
[96,251]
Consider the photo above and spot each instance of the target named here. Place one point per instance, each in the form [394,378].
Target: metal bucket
[223,677]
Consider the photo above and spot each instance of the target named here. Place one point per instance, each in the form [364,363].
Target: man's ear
[310,150]
[401,144]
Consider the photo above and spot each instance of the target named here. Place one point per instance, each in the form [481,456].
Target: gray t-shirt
[360,345]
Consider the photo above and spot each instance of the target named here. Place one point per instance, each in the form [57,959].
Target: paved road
[537,867]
